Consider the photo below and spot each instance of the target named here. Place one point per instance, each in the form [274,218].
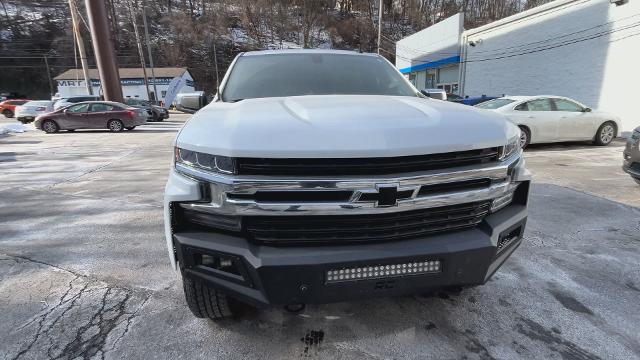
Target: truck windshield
[274,75]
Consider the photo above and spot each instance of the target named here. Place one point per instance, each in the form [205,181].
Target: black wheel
[155,116]
[206,302]
[50,126]
[115,125]
[24,121]
[605,134]
[7,113]
[130,127]
[525,137]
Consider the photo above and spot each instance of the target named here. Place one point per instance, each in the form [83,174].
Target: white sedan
[547,119]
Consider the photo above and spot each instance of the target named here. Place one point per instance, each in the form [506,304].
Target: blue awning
[431,64]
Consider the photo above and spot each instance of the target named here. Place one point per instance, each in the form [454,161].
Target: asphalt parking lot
[84,271]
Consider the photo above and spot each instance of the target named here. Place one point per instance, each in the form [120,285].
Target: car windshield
[277,75]
[494,104]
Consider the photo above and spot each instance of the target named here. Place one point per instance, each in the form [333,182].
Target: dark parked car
[156,113]
[454,98]
[632,156]
[92,115]
[477,100]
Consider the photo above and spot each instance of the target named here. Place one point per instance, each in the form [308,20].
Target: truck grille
[295,230]
[364,166]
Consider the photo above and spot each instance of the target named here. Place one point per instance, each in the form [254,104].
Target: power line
[524,51]
[497,51]
[555,46]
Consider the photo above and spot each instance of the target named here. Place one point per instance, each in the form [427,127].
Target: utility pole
[146,37]
[103,48]
[46,63]
[215,61]
[140,51]
[379,26]
[83,55]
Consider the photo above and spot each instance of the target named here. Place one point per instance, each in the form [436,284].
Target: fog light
[384,271]
[218,262]
[501,201]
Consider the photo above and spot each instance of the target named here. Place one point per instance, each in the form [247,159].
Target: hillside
[185,32]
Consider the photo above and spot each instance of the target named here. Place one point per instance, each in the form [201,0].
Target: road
[84,271]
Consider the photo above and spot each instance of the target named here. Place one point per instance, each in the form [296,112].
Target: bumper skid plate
[266,275]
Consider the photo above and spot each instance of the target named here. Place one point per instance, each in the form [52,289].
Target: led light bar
[384,271]
[501,201]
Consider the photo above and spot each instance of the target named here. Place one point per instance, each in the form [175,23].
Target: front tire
[605,134]
[7,113]
[50,127]
[204,301]
[525,137]
[115,125]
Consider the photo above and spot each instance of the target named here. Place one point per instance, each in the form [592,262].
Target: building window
[412,78]
[430,83]
[449,88]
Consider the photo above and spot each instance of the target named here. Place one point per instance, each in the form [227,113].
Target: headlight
[207,162]
[512,146]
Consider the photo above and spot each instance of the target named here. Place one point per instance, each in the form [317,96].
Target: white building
[431,57]
[71,82]
[586,50]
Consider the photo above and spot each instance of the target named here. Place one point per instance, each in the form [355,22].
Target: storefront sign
[124,82]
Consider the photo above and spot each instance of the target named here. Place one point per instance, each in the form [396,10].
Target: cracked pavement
[84,272]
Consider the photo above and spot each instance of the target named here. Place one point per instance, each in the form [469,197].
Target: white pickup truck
[320,176]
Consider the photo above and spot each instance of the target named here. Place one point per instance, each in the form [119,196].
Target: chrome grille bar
[225,190]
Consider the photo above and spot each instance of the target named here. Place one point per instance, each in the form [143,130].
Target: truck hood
[339,126]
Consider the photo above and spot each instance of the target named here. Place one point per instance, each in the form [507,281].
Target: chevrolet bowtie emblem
[385,195]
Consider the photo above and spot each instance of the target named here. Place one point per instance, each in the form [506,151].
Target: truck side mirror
[425,93]
[586,109]
[191,102]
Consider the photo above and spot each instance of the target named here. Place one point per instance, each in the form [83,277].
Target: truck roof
[305,51]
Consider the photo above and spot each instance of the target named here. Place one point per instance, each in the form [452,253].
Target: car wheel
[130,127]
[115,125]
[206,302]
[155,117]
[525,137]
[605,134]
[7,113]
[50,126]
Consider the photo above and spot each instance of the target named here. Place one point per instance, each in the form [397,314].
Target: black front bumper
[265,275]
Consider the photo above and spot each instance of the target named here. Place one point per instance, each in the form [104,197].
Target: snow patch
[13,128]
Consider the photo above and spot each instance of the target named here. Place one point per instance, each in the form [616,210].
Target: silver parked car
[632,156]
[28,112]
[439,94]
